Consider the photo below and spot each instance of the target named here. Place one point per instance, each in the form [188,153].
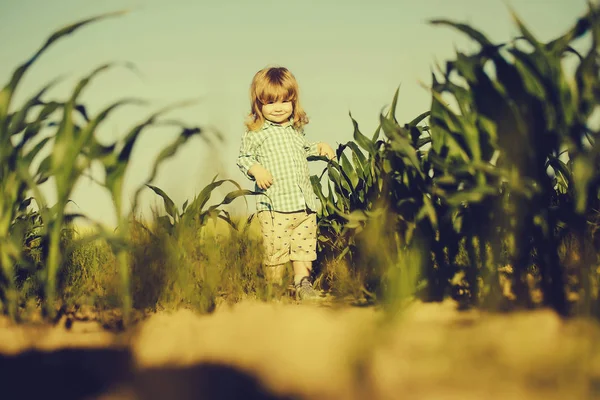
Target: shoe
[305,290]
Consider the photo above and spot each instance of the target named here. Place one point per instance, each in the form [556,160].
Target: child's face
[278,111]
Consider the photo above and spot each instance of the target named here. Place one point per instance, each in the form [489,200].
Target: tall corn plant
[383,182]
[73,148]
[19,130]
[351,186]
[527,109]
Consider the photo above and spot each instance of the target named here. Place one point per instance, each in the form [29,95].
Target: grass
[194,268]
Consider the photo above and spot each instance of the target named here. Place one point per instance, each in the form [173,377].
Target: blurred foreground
[274,350]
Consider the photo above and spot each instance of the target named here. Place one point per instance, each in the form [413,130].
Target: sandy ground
[257,350]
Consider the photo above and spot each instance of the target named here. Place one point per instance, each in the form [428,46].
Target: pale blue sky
[347,56]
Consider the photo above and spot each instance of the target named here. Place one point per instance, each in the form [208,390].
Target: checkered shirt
[283,151]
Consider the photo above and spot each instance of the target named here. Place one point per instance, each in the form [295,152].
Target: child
[274,154]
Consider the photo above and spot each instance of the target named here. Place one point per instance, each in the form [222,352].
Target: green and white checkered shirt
[283,151]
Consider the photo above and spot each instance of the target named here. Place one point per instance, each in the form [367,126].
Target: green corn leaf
[358,158]
[25,203]
[474,195]
[170,150]
[347,171]
[330,199]
[357,153]
[28,158]
[69,141]
[466,29]
[347,181]
[317,158]
[170,206]
[44,170]
[88,130]
[526,33]
[227,218]
[376,134]
[31,131]
[341,181]
[558,46]
[7,92]
[419,118]
[423,141]
[317,188]
[232,196]
[48,109]
[200,201]
[450,130]
[105,154]
[467,66]
[548,83]
[444,112]
[392,112]
[115,169]
[17,122]
[561,169]
[464,97]
[361,139]
[401,144]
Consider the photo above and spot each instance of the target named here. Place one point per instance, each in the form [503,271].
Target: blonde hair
[274,84]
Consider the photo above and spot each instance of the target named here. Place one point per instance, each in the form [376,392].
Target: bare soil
[258,350]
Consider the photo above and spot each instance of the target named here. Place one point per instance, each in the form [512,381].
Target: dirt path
[263,351]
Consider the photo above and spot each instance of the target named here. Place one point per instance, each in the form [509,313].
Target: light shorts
[288,236]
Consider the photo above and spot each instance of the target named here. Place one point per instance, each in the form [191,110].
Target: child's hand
[263,177]
[326,150]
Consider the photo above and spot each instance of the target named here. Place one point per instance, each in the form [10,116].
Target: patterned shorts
[288,236]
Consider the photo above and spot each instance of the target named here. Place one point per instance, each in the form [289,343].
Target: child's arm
[318,149]
[249,165]
[247,157]
[325,150]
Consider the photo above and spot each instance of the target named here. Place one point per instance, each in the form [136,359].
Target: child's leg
[301,269]
[304,245]
[276,245]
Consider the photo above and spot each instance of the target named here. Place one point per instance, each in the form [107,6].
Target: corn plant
[18,131]
[73,148]
[483,181]
[194,212]
[386,179]
[529,112]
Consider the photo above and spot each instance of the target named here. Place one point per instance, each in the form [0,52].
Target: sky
[348,57]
